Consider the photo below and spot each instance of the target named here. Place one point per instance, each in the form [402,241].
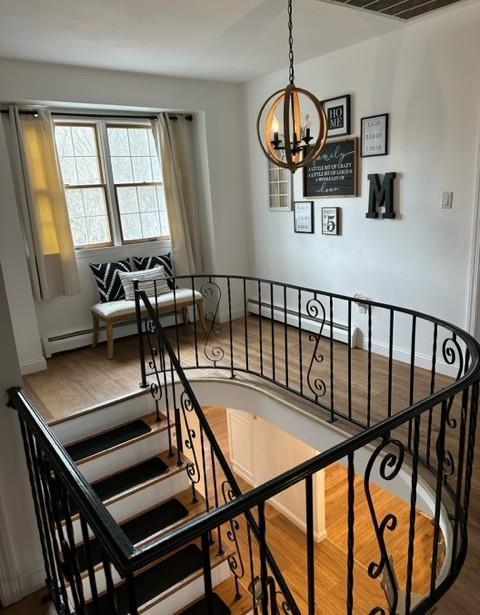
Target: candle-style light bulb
[308,123]
[275,127]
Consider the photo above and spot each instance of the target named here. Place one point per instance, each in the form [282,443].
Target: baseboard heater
[83,337]
[308,323]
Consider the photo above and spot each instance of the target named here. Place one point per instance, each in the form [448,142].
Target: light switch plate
[447,200]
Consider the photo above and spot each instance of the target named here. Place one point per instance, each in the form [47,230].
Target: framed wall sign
[338,115]
[303,217]
[374,139]
[334,172]
[330,225]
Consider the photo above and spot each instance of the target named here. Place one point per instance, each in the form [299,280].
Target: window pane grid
[278,187]
[79,159]
[87,210]
[138,183]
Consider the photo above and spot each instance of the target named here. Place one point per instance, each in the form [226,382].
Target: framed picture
[338,115]
[303,217]
[334,173]
[330,225]
[374,135]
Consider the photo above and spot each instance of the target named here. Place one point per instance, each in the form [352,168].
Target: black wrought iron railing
[405,386]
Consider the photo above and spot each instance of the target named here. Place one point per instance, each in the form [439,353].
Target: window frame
[104,185]
[119,124]
[277,182]
[101,125]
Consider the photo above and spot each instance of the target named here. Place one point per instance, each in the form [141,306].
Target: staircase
[139,511]
[128,458]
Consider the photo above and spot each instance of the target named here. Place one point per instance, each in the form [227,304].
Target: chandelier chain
[290,43]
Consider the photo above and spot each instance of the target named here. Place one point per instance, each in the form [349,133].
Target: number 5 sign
[330,220]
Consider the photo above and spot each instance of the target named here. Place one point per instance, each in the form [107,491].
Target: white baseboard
[403,355]
[318,536]
[80,339]
[32,577]
[300,523]
[36,365]
[242,472]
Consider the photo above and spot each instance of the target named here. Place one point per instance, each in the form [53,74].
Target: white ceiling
[215,39]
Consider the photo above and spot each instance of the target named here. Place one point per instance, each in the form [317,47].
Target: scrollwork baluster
[315,309]
[192,467]
[235,560]
[216,353]
[390,466]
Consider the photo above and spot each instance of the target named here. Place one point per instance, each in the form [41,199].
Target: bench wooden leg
[201,316]
[96,331]
[185,316]
[110,339]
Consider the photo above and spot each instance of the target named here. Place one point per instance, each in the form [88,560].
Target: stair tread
[201,608]
[138,529]
[155,580]
[106,440]
[126,479]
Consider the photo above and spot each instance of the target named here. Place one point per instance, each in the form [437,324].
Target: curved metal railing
[405,382]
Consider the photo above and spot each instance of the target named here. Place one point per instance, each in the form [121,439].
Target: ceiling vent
[401,9]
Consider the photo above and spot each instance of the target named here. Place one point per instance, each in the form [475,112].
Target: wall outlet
[447,200]
[362,307]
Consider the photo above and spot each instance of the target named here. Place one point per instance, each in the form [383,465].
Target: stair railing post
[141,348]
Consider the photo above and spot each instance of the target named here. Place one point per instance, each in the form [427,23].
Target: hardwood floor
[79,379]
[33,605]
[287,541]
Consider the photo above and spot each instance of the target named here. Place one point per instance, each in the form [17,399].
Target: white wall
[220,145]
[427,77]
[21,568]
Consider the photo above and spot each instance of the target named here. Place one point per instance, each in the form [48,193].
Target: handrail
[205,425]
[127,558]
[118,546]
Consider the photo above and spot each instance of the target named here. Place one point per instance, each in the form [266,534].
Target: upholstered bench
[112,312]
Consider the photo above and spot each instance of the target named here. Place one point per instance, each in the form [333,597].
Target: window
[113,182]
[137,178]
[84,185]
[278,187]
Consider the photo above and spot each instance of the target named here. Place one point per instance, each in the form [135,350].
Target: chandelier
[289,143]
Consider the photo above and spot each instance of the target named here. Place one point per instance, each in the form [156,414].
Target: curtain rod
[92,114]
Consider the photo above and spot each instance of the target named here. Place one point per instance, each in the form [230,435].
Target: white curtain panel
[41,195]
[174,139]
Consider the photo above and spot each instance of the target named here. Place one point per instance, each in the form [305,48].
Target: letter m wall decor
[381,195]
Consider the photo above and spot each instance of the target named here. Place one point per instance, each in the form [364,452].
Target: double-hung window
[113,182]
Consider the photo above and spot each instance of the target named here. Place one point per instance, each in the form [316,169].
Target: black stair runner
[126,479]
[104,441]
[155,580]
[138,529]
[201,607]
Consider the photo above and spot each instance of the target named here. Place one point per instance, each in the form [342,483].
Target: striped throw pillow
[150,281]
[147,262]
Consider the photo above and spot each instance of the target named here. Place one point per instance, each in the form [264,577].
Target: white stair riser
[181,598]
[103,419]
[142,500]
[128,455]
[189,593]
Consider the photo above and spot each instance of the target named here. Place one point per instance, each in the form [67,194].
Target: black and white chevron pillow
[109,284]
[149,262]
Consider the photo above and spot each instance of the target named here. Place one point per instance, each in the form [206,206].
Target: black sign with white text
[334,172]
